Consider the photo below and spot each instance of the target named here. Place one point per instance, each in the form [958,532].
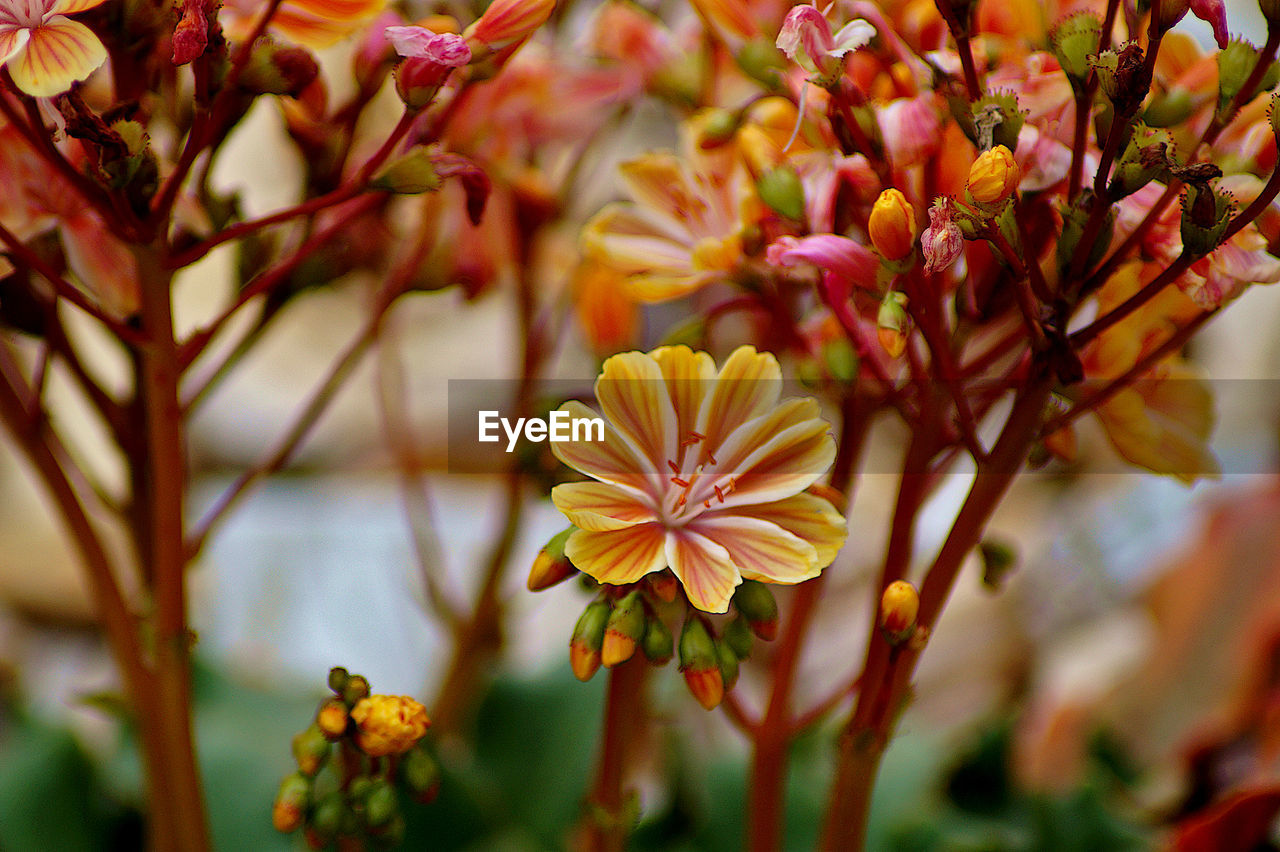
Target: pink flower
[1215,12]
[942,241]
[844,263]
[445,49]
[44,50]
[911,130]
[807,40]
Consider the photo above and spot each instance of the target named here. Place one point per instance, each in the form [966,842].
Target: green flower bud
[310,748]
[659,645]
[997,561]
[1235,63]
[700,663]
[993,120]
[357,687]
[1073,40]
[338,679]
[782,191]
[757,605]
[420,774]
[551,566]
[737,635]
[1145,158]
[381,804]
[587,640]
[327,817]
[292,800]
[277,69]
[761,60]
[728,661]
[409,175]
[841,360]
[624,629]
[1169,109]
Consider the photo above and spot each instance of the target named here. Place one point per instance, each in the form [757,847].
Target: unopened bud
[389,724]
[1205,216]
[993,177]
[290,806]
[1235,63]
[658,644]
[892,225]
[899,606]
[737,635]
[332,718]
[277,69]
[587,640]
[338,679]
[756,604]
[506,22]
[700,664]
[381,804]
[1073,40]
[893,323]
[357,687]
[997,561]
[326,819]
[421,774]
[623,631]
[551,566]
[310,748]
[664,585]
[781,189]
[412,173]
[728,661]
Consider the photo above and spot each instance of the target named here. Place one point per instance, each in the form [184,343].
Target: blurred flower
[807,40]
[942,242]
[389,724]
[702,472]
[844,263]
[44,50]
[311,23]
[606,311]
[507,22]
[428,59]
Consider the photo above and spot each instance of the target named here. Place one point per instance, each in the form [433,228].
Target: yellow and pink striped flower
[701,471]
[44,50]
[311,23]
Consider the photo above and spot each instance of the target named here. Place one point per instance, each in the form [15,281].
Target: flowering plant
[965,229]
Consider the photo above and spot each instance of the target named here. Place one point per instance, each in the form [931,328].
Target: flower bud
[893,323]
[277,69]
[623,630]
[1235,63]
[756,604]
[1205,216]
[428,59]
[411,174]
[506,22]
[331,719]
[737,635]
[420,774]
[338,679]
[587,640]
[381,805]
[551,566]
[326,819]
[728,661]
[658,644]
[389,724]
[997,561]
[357,687]
[993,177]
[310,748]
[700,664]
[1073,40]
[892,225]
[899,606]
[290,806]
[664,584]
[782,191]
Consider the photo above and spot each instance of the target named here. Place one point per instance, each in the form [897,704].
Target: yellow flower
[993,176]
[389,724]
[312,23]
[893,225]
[702,472]
[44,50]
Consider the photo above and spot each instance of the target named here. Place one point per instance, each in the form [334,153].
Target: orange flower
[389,724]
[702,472]
[312,23]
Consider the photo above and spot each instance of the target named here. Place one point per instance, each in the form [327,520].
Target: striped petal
[633,396]
[611,460]
[703,568]
[71,7]
[760,550]
[811,518]
[618,556]
[787,464]
[748,385]
[688,375]
[598,506]
[58,54]
[13,38]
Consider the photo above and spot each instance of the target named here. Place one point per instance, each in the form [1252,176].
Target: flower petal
[12,39]
[812,518]
[633,396]
[703,568]
[58,54]
[598,506]
[618,556]
[71,7]
[688,375]
[761,550]
[611,460]
[661,182]
[785,465]
[748,385]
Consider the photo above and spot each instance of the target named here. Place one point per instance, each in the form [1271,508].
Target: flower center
[683,506]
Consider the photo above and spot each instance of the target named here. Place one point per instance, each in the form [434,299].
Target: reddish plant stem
[887,673]
[606,824]
[1084,102]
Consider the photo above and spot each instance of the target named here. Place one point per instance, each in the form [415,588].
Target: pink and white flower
[44,50]
[702,472]
[942,242]
[807,40]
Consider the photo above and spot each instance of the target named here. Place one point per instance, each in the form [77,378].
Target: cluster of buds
[626,620]
[357,761]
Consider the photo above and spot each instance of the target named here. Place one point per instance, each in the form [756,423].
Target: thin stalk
[606,824]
